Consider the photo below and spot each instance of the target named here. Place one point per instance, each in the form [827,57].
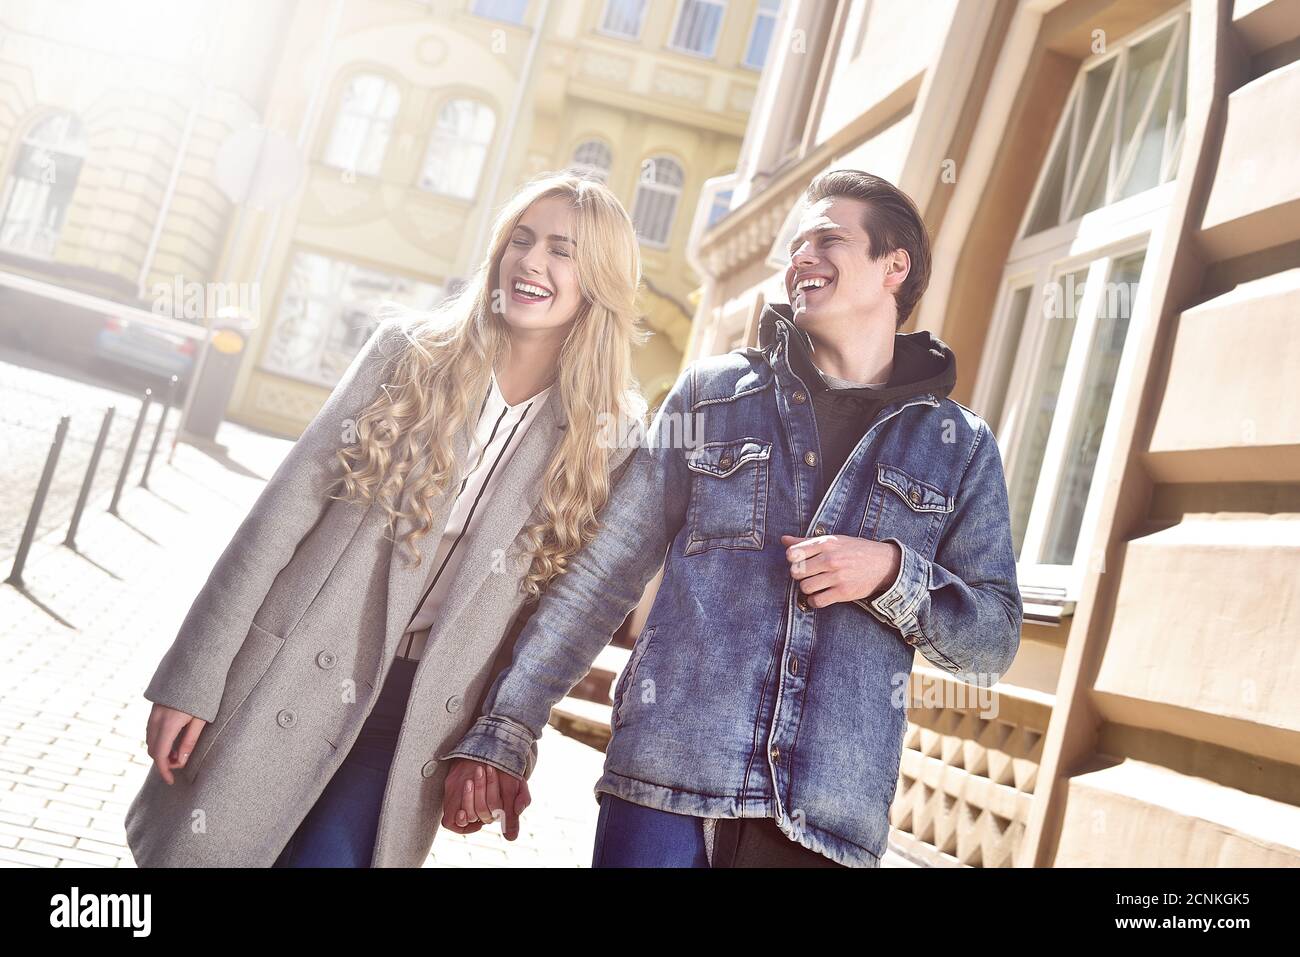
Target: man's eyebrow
[822,228]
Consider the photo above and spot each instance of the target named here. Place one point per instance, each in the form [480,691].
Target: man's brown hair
[892,222]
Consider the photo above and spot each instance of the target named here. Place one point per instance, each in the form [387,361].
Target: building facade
[1115,210]
[331,154]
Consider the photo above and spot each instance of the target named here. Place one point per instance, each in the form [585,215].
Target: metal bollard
[130,452]
[38,502]
[71,539]
[153,447]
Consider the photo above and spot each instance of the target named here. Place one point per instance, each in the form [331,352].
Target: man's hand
[475,794]
[170,737]
[833,568]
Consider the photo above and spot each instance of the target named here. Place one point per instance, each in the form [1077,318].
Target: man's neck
[862,352]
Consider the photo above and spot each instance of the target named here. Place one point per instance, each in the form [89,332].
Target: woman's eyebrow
[529,231]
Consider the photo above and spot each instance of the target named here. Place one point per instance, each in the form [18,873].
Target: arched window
[593,159]
[363,125]
[39,188]
[658,190]
[458,149]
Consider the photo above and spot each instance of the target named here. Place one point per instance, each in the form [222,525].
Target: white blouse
[500,430]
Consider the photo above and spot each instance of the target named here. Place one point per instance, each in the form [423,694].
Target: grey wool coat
[285,649]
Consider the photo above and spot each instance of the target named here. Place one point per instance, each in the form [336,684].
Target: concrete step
[583,720]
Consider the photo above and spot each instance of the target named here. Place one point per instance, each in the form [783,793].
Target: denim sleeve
[962,610]
[581,608]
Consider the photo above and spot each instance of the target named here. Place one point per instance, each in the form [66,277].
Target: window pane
[1089,424]
[1096,175]
[623,17]
[511,11]
[697,26]
[39,188]
[1007,349]
[760,38]
[1140,79]
[458,149]
[329,309]
[1060,308]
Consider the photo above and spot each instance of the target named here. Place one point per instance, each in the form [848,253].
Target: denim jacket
[740,699]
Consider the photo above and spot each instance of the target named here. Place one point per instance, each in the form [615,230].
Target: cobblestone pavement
[79,644]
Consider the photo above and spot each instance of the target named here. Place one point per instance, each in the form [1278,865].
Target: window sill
[1046,605]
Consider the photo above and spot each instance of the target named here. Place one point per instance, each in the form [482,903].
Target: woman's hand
[475,794]
[170,736]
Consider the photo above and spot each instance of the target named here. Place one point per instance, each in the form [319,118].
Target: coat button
[428,769]
[810,458]
[799,397]
[794,666]
[286,718]
[724,462]
[326,659]
[802,603]
[776,754]
[820,529]
[453,703]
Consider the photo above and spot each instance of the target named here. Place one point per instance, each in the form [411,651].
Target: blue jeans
[340,828]
[630,835]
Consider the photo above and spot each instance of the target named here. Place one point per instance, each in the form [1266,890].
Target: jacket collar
[922,362]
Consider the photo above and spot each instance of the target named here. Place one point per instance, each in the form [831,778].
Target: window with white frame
[593,159]
[39,187]
[458,149]
[1073,291]
[1122,131]
[658,191]
[697,26]
[328,310]
[363,125]
[760,35]
[510,11]
[623,18]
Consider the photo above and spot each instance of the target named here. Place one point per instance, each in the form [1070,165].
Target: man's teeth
[812,283]
[530,289]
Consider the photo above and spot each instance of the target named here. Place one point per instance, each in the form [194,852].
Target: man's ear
[897,268]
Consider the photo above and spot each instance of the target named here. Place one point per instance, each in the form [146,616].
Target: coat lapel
[514,496]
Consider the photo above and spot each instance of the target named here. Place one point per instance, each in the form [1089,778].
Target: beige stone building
[1134,161]
[396,129]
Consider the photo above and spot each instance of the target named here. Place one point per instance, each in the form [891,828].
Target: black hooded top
[922,363]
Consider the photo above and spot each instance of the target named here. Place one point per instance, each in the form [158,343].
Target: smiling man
[841,514]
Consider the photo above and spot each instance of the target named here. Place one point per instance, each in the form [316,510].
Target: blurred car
[143,348]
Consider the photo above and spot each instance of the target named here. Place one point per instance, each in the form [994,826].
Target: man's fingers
[481,810]
[495,805]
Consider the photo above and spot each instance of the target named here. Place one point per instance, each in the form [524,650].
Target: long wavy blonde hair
[405,437]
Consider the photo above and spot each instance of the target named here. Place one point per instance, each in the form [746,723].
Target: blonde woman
[343,641]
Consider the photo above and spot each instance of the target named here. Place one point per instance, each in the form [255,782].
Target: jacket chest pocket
[903,506]
[728,494]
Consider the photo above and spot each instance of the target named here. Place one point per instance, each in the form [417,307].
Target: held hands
[170,737]
[475,794]
[834,568]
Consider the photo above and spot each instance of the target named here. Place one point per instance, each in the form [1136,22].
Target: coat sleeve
[192,674]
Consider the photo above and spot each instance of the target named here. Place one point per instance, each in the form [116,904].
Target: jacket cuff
[897,605]
[502,743]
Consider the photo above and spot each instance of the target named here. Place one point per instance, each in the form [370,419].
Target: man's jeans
[630,835]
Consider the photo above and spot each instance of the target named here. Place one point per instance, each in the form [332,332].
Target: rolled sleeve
[500,742]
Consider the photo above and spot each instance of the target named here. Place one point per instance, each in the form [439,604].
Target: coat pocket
[247,668]
[728,507]
[626,679]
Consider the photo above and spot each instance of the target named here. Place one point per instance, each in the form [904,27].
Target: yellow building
[1136,162]
[396,129]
